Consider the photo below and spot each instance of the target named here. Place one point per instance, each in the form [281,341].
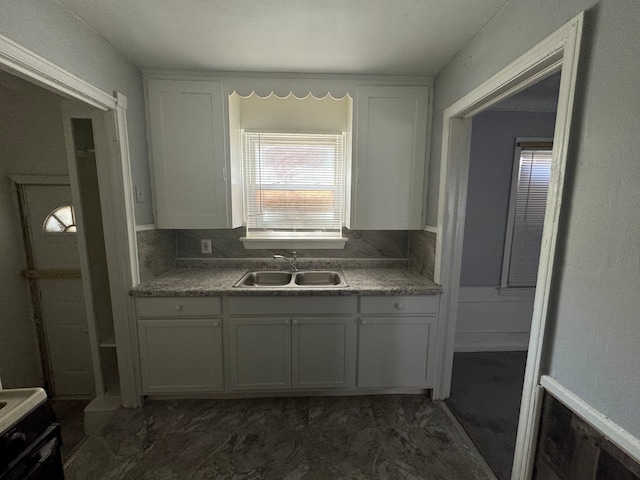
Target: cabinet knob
[364,322]
[295,322]
[286,322]
[216,323]
[399,306]
[177,308]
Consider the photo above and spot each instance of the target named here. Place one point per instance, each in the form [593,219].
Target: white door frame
[120,236]
[558,52]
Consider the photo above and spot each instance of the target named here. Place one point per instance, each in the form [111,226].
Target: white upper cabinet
[189,151]
[389,157]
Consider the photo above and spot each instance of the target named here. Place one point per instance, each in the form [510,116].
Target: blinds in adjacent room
[294,184]
[532,185]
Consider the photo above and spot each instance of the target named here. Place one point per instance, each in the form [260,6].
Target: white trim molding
[603,424]
[36,69]
[40,179]
[146,227]
[489,321]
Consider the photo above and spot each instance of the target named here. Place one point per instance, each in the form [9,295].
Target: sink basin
[266,279]
[16,403]
[318,279]
[291,279]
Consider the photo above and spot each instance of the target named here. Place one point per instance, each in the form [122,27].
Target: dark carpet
[486,390]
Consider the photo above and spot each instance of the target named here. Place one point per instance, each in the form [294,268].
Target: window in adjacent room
[527,206]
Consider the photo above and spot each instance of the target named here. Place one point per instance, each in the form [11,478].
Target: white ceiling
[400,37]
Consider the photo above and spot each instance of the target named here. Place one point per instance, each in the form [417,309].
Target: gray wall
[49,30]
[492,146]
[594,323]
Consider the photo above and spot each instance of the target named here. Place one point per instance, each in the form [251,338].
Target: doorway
[557,53]
[509,171]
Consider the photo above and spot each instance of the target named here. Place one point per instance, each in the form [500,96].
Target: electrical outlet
[205,245]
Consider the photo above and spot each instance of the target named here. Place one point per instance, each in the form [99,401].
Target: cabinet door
[259,353]
[188,150]
[323,352]
[180,355]
[395,351]
[390,154]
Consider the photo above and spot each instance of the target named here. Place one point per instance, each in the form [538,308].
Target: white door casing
[558,52]
[62,298]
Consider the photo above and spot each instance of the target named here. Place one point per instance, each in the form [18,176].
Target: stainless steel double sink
[292,279]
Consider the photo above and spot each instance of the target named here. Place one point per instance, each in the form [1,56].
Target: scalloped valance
[283,87]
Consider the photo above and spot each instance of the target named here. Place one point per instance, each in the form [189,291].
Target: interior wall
[48,29]
[593,320]
[31,135]
[493,138]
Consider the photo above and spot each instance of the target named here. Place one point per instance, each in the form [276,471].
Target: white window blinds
[293,184]
[528,216]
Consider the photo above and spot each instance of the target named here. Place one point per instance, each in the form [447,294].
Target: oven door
[39,461]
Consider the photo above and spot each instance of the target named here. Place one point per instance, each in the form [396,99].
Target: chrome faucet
[293,263]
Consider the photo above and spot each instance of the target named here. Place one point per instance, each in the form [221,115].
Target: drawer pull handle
[177,308]
[286,322]
[399,306]
[364,322]
[295,322]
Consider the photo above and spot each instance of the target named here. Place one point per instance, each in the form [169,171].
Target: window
[60,220]
[293,184]
[532,171]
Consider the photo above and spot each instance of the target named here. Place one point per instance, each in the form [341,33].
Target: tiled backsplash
[162,250]
[226,244]
[156,252]
[422,252]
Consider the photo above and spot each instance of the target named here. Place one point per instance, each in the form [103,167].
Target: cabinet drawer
[283,305]
[177,306]
[400,304]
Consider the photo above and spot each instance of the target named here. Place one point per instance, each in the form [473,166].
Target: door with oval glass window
[55,273]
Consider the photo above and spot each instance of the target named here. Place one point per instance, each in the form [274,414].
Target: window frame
[508,240]
[283,238]
[67,230]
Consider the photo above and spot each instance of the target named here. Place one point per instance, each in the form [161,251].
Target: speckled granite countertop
[195,282]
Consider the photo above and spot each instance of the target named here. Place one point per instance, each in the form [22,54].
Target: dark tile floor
[366,437]
[70,416]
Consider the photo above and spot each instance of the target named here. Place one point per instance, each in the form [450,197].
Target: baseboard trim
[614,432]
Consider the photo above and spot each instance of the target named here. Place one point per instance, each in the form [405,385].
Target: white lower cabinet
[180,343]
[285,343]
[323,352]
[181,355]
[397,341]
[275,343]
[259,353]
